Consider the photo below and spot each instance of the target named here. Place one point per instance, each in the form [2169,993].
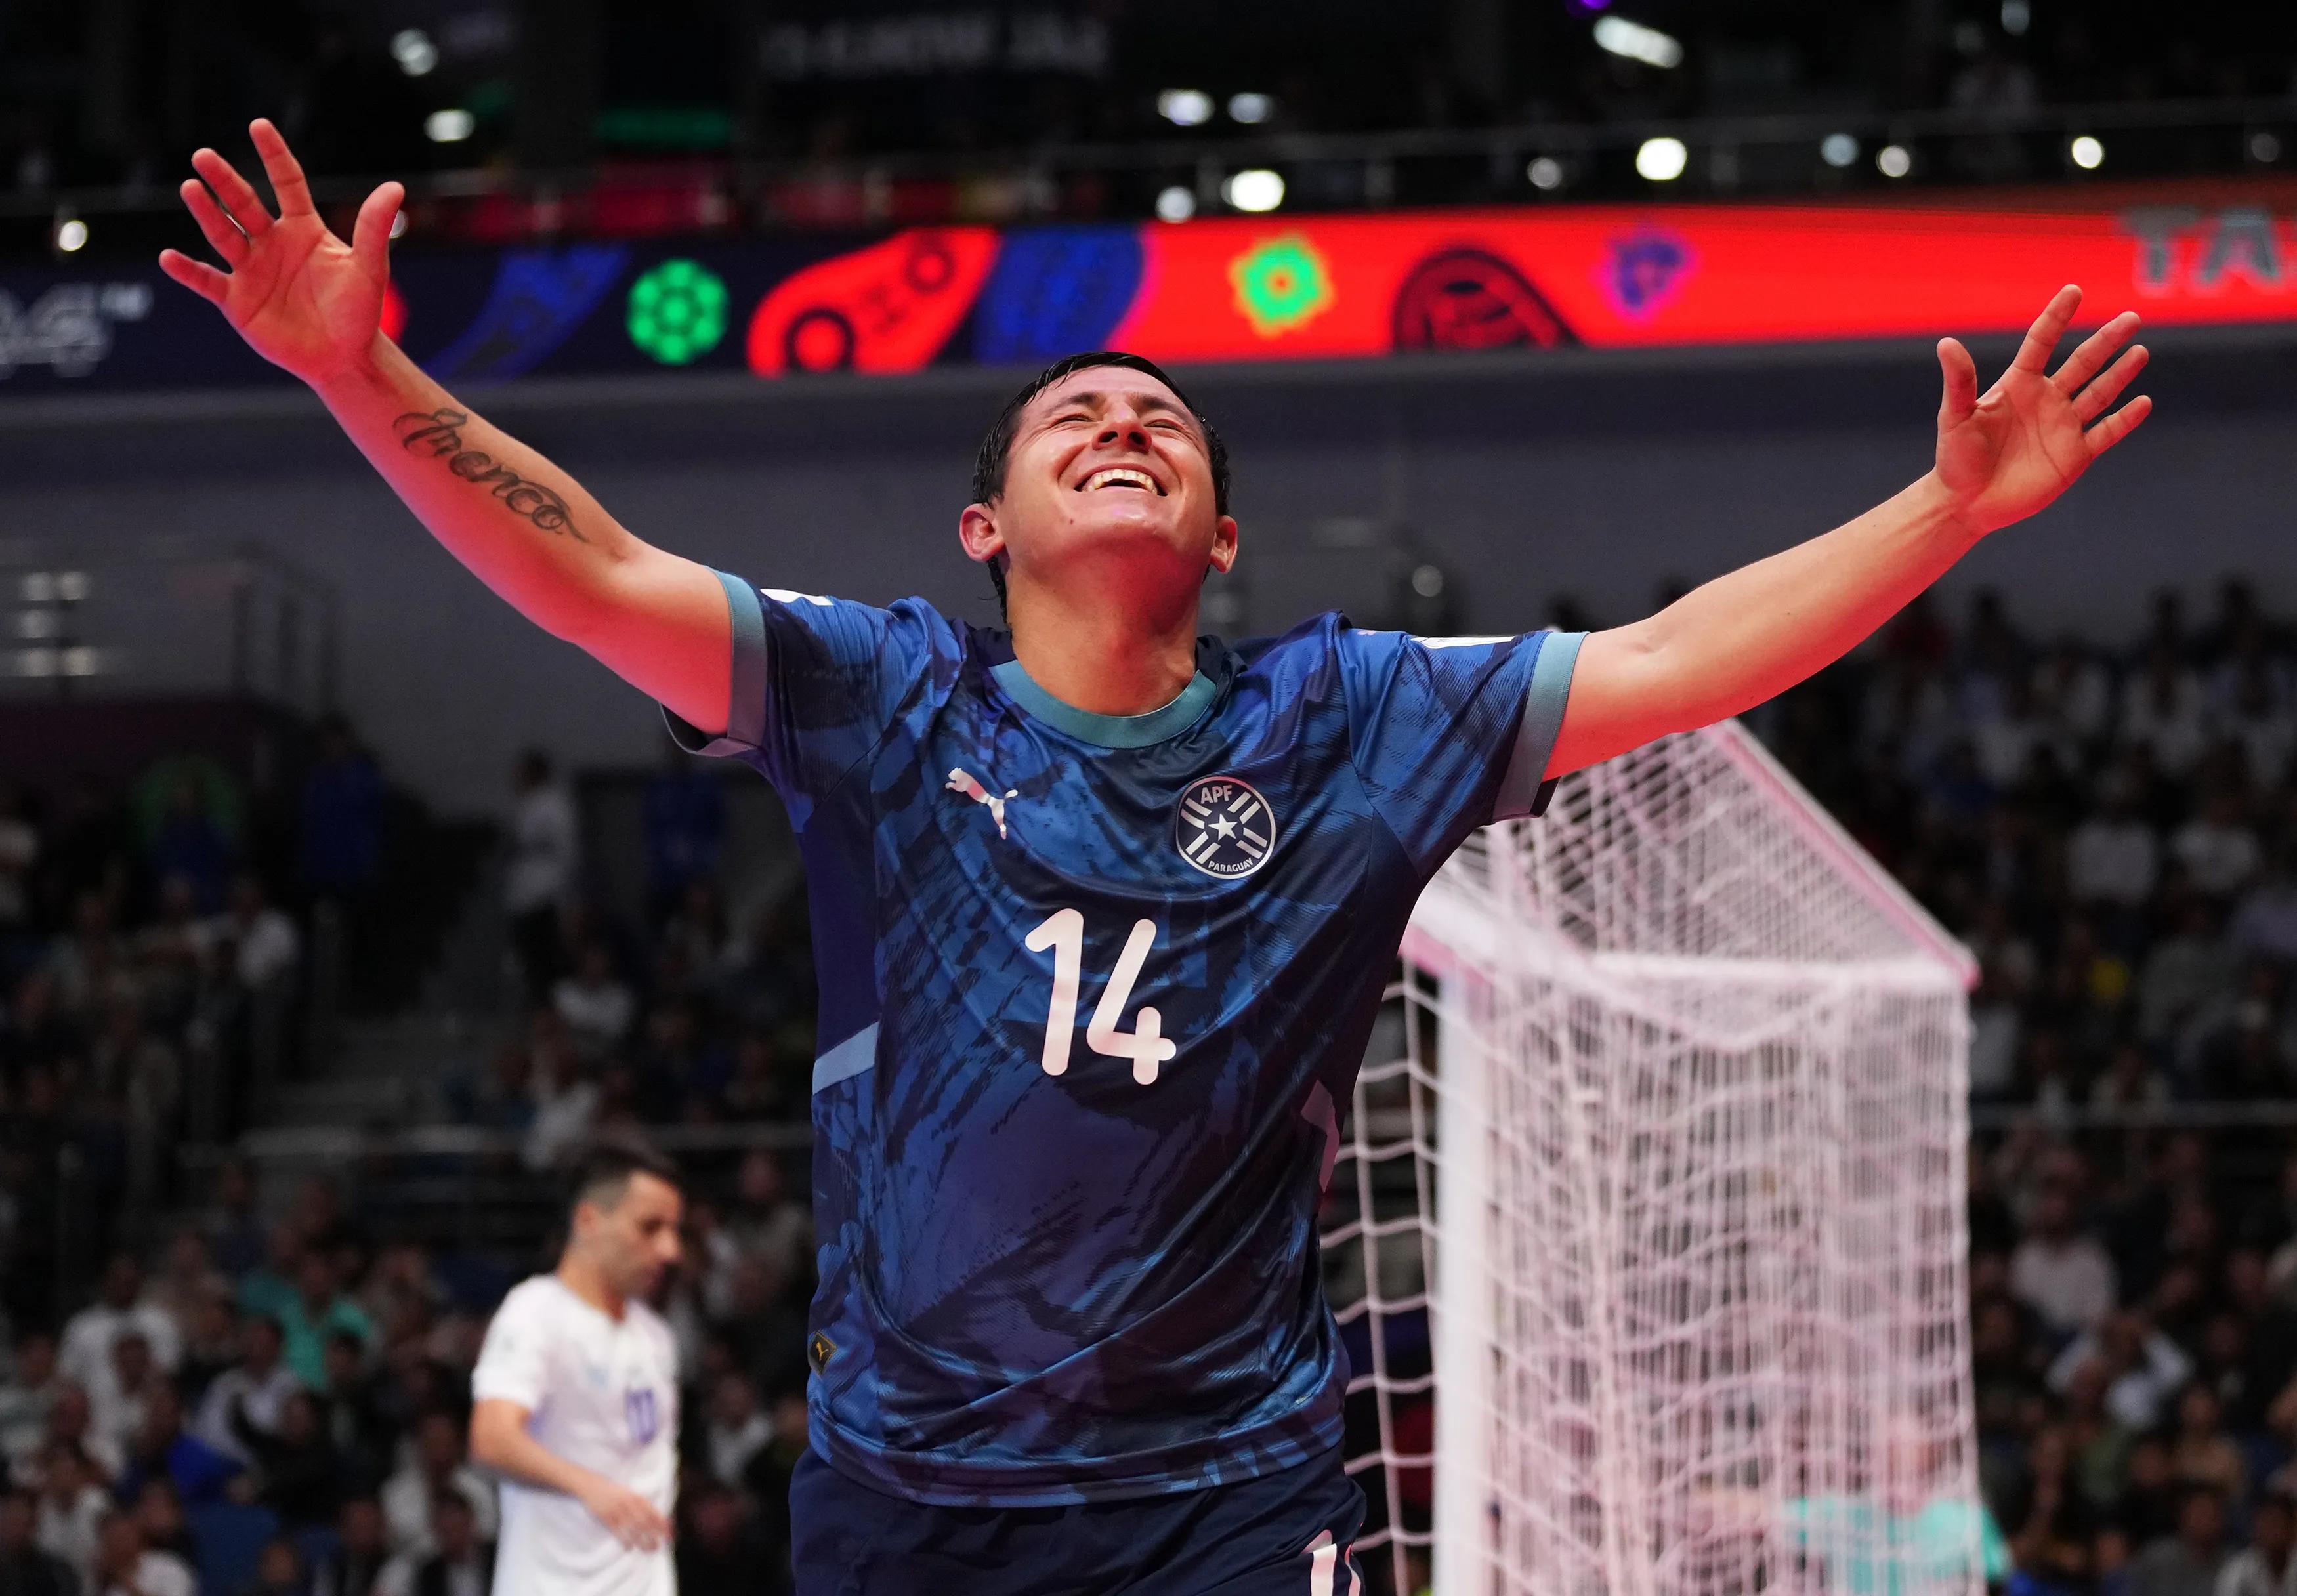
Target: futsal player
[575,1396]
[1103,909]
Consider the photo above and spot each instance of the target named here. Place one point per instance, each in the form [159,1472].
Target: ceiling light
[449,127]
[72,235]
[2265,148]
[1185,107]
[1176,203]
[2086,153]
[1249,108]
[2017,16]
[1638,43]
[1545,172]
[1894,160]
[413,50]
[1662,159]
[1255,188]
[1838,149]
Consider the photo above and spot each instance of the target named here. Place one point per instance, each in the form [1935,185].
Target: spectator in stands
[2112,858]
[279,1570]
[161,1450]
[2163,711]
[122,1400]
[2141,1367]
[438,1464]
[2217,847]
[235,1233]
[302,1474]
[86,1355]
[737,1430]
[265,945]
[190,845]
[2201,1454]
[540,879]
[2266,924]
[72,1508]
[2187,1563]
[241,1412]
[125,1566]
[2052,1542]
[318,1310]
[160,1515]
[26,1396]
[594,1003]
[341,843]
[566,1103]
[459,1560]
[2059,1271]
[355,1562]
[2146,1507]
[26,1568]
[2263,1567]
[211,1346]
[188,1279]
[71,1425]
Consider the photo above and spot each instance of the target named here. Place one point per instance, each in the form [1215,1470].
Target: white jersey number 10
[1145,1044]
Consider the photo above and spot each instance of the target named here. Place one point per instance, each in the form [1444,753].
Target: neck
[583,1278]
[1103,649]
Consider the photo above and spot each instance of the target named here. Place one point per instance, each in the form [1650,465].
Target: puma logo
[960,782]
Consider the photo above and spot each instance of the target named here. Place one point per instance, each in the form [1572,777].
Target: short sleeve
[515,1360]
[816,680]
[1451,733]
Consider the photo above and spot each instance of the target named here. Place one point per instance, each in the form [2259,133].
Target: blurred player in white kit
[576,1395]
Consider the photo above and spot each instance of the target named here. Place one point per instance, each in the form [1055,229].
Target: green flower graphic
[1281,283]
[677,311]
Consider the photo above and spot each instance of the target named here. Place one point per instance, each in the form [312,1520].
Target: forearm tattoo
[437,432]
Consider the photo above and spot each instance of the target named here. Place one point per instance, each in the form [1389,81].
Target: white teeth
[1120,473]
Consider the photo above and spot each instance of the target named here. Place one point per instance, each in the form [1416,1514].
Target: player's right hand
[634,1520]
[302,298]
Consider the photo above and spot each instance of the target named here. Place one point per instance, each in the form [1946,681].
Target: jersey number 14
[1145,1044]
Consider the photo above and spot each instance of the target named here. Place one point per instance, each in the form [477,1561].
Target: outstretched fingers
[197,275]
[2094,400]
[279,163]
[371,232]
[2119,426]
[236,194]
[2095,350]
[1961,374]
[2042,337]
[225,238]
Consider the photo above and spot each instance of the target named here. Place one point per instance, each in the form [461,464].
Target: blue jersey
[1094,992]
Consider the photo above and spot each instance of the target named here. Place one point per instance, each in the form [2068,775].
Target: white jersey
[600,1393]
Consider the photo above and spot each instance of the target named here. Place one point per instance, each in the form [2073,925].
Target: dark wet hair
[605,1172]
[989,465]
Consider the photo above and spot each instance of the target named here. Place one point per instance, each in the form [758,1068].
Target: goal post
[1646,1238]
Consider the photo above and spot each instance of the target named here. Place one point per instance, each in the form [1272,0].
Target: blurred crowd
[2114,834]
[151,983]
[280,1405]
[677,1013]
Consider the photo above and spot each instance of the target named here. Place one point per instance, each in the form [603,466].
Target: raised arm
[311,304]
[1751,634]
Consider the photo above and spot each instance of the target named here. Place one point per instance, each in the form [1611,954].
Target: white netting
[1647,1236]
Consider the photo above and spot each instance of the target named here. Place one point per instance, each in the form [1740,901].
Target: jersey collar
[1107,731]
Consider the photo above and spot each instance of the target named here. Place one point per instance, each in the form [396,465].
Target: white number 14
[1145,1044]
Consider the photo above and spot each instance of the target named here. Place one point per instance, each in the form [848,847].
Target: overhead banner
[1217,290]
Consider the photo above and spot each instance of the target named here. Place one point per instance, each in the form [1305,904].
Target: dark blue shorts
[1281,1534]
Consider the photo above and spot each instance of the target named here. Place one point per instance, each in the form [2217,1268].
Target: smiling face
[1109,482]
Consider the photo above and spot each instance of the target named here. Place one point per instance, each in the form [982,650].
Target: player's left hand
[2005,455]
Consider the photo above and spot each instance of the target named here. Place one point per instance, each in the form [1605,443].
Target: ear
[1224,554]
[977,533]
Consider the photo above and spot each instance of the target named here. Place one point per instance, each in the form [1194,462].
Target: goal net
[1647,1240]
